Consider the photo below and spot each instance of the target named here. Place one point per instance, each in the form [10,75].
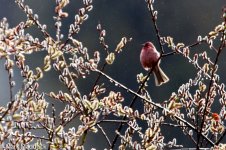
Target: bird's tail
[160,76]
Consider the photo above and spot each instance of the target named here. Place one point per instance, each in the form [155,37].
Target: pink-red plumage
[149,57]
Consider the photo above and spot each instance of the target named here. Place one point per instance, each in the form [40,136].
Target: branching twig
[154,104]
[133,101]
[211,83]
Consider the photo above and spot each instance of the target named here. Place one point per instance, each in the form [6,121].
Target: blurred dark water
[183,20]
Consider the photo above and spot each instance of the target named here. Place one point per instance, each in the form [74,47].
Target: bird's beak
[143,44]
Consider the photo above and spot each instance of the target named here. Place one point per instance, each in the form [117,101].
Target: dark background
[183,20]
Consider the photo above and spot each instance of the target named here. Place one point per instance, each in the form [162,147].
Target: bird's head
[148,44]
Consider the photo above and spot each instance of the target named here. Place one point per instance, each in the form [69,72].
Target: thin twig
[168,54]
[114,121]
[98,78]
[31,17]
[154,19]
[173,125]
[32,136]
[105,135]
[181,126]
[10,106]
[10,85]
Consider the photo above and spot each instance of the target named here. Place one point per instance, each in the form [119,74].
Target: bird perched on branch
[150,57]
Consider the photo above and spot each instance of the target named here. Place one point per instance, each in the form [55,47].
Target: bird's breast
[148,58]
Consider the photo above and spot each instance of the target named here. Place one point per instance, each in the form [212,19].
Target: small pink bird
[148,57]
